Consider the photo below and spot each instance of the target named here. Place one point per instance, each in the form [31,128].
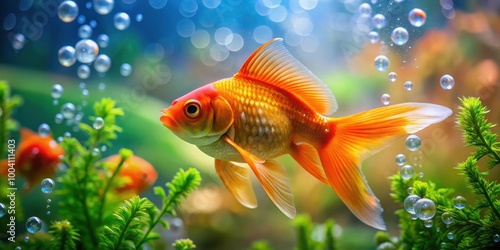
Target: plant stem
[108,185]
[156,220]
[122,234]
[483,141]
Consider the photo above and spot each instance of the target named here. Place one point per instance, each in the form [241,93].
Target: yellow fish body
[273,106]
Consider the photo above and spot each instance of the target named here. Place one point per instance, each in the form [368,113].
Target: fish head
[200,117]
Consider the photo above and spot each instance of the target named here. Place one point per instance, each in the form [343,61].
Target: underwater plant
[448,222]
[92,215]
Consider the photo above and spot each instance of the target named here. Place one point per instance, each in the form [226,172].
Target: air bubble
[83,71]
[33,224]
[386,99]
[392,76]
[428,223]
[425,209]
[408,85]
[44,130]
[47,185]
[102,63]
[58,118]
[103,7]
[95,151]
[447,218]
[451,235]
[125,69]
[98,123]
[86,51]
[409,203]
[365,10]
[413,142]
[406,172]
[381,63]
[57,91]
[379,21]
[409,190]
[400,159]
[68,111]
[138,18]
[459,202]
[496,238]
[399,36]
[373,36]
[67,11]
[3,210]
[447,82]
[66,56]
[417,17]
[85,31]
[18,41]
[121,21]
[103,40]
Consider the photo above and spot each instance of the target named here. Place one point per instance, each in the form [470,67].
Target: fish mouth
[168,121]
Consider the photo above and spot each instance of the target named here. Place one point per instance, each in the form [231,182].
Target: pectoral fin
[272,177]
[237,181]
[307,156]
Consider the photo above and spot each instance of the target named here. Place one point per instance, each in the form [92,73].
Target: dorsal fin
[273,64]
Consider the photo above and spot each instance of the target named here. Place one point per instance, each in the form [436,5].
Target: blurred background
[158,50]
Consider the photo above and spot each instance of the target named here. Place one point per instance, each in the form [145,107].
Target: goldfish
[274,106]
[36,158]
[140,174]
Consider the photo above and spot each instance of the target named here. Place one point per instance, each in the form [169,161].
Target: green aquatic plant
[8,104]
[92,215]
[455,226]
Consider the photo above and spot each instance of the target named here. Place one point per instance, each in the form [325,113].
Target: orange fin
[237,181]
[272,177]
[307,156]
[273,64]
[358,136]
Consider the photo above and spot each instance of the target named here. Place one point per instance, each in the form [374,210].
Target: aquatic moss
[474,226]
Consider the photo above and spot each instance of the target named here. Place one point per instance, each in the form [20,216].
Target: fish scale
[267,118]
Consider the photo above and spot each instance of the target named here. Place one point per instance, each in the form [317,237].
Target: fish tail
[354,138]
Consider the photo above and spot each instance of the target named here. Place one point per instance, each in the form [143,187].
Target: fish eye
[192,108]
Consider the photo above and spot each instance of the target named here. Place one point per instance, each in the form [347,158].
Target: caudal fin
[358,136]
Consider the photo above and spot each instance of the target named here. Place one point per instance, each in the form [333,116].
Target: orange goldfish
[140,173]
[36,158]
[273,106]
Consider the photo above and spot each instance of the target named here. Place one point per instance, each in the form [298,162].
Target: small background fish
[273,106]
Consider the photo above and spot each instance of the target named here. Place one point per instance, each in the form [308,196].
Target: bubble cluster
[47,185]
[399,36]
[44,130]
[102,63]
[67,11]
[406,172]
[33,224]
[409,203]
[103,7]
[98,123]
[392,76]
[385,99]
[413,142]
[417,17]
[86,51]
[459,202]
[408,85]
[447,82]
[381,63]
[121,21]
[425,209]
[379,21]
